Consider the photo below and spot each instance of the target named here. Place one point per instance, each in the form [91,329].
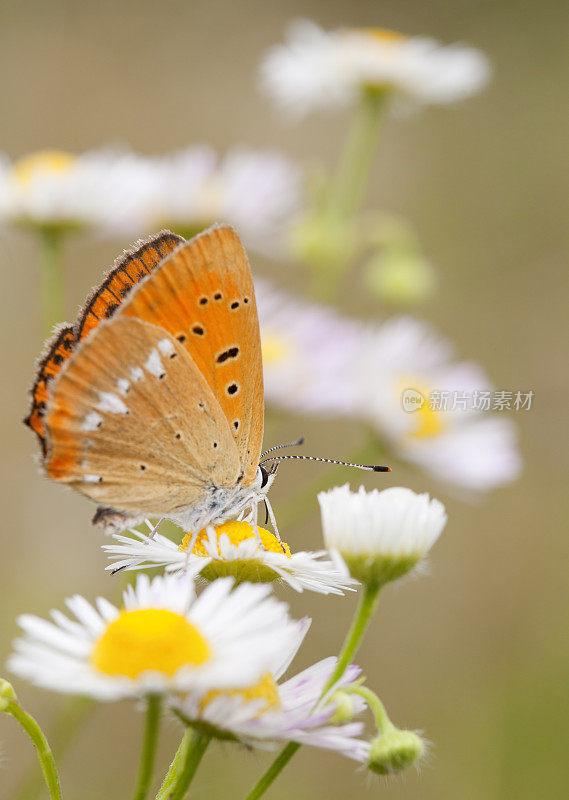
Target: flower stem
[330,239]
[184,766]
[274,771]
[51,278]
[364,612]
[175,766]
[71,719]
[375,705]
[354,170]
[149,742]
[43,750]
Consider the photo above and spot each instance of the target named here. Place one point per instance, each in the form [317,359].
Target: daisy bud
[321,245]
[400,276]
[394,750]
[346,707]
[380,535]
[7,694]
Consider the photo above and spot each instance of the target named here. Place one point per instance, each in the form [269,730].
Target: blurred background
[476,655]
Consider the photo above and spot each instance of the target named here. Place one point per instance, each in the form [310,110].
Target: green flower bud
[345,707]
[324,244]
[394,750]
[400,276]
[7,694]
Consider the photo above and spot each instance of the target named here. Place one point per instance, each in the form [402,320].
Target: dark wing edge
[127,271]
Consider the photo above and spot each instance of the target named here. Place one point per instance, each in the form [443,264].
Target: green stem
[355,167]
[274,771]
[175,766]
[45,755]
[367,606]
[375,705]
[149,742]
[51,278]
[71,719]
[364,612]
[334,225]
[184,765]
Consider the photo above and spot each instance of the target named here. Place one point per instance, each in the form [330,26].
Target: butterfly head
[264,479]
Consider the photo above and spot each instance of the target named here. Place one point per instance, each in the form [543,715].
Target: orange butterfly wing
[133,424]
[128,270]
[203,295]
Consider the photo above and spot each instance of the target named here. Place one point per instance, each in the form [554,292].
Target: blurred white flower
[259,192]
[102,190]
[164,639]
[380,535]
[455,441]
[308,351]
[268,712]
[316,361]
[316,69]
[231,549]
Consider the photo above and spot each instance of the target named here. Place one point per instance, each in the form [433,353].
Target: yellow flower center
[42,164]
[428,421]
[275,348]
[237,532]
[266,689]
[384,35]
[148,639]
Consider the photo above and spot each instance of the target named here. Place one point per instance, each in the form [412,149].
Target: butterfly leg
[273,519]
[153,528]
[254,523]
[190,548]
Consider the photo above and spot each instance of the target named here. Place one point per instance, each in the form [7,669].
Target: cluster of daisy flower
[217,659]
[206,640]
[318,362]
[114,192]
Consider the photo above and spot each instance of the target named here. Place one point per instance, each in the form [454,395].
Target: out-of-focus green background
[477,654]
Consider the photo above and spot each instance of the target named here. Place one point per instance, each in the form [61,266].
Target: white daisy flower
[307,351]
[259,192]
[164,639]
[104,190]
[380,535]
[268,712]
[231,549]
[316,361]
[317,69]
[429,408]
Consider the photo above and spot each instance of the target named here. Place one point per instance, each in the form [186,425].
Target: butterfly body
[154,406]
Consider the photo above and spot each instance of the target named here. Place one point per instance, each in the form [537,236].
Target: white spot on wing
[112,403]
[136,374]
[153,363]
[91,421]
[92,478]
[166,347]
[123,386]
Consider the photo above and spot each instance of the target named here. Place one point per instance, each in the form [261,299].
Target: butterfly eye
[264,476]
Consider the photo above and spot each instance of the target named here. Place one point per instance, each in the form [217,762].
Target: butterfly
[151,404]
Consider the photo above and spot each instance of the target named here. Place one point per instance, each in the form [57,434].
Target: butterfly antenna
[369,467]
[296,443]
